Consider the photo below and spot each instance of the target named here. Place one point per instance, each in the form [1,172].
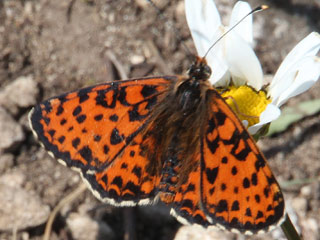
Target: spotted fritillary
[171,138]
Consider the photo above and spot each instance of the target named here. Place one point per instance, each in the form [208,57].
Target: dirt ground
[57,46]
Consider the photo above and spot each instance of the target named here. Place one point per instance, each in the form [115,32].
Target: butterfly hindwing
[97,129]
[238,189]
[187,201]
[128,181]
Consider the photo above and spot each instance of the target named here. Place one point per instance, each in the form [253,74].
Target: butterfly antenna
[171,26]
[257,9]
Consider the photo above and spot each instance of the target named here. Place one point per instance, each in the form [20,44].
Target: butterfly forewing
[238,189]
[99,126]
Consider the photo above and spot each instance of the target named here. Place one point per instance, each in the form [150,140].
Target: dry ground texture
[48,47]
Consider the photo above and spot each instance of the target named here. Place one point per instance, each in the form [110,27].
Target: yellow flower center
[246,102]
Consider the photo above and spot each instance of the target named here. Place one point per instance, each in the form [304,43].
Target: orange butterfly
[168,137]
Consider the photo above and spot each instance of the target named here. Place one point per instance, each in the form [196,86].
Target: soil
[66,45]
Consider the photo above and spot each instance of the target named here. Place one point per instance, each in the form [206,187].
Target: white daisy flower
[236,68]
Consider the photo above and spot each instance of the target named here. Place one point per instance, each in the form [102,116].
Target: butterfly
[172,138]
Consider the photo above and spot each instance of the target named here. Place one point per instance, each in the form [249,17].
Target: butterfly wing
[238,189]
[187,201]
[98,129]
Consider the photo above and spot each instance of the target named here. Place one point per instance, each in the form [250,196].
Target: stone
[85,228]
[20,209]
[196,232]
[10,130]
[21,93]
[300,205]
[6,161]
[306,191]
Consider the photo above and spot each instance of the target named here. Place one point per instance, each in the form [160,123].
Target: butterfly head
[199,70]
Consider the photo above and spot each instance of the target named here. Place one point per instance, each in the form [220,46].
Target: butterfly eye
[206,71]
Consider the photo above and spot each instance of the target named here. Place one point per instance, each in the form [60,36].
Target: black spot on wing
[224,160]
[124,166]
[102,101]
[248,212]
[234,170]
[222,206]
[97,138]
[212,174]
[235,206]
[260,163]
[60,110]
[115,137]
[81,118]
[117,181]
[123,96]
[235,223]
[223,187]
[236,190]
[52,132]
[134,114]
[63,121]
[259,215]
[220,118]
[213,145]
[135,189]
[105,179]
[76,142]
[86,153]
[61,139]
[137,171]
[148,90]
[191,187]
[187,203]
[106,149]
[257,198]
[83,94]
[254,179]
[246,183]
[114,118]
[77,111]
[266,191]
[211,191]
[132,153]
[234,141]
[98,117]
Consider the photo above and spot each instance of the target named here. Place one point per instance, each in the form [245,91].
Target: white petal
[223,81]
[307,73]
[217,61]
[244,65]
[204,20]
[270,114]
[244,29]
[309,46]
[282,84]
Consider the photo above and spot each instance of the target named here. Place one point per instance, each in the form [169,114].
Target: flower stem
[289,230]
